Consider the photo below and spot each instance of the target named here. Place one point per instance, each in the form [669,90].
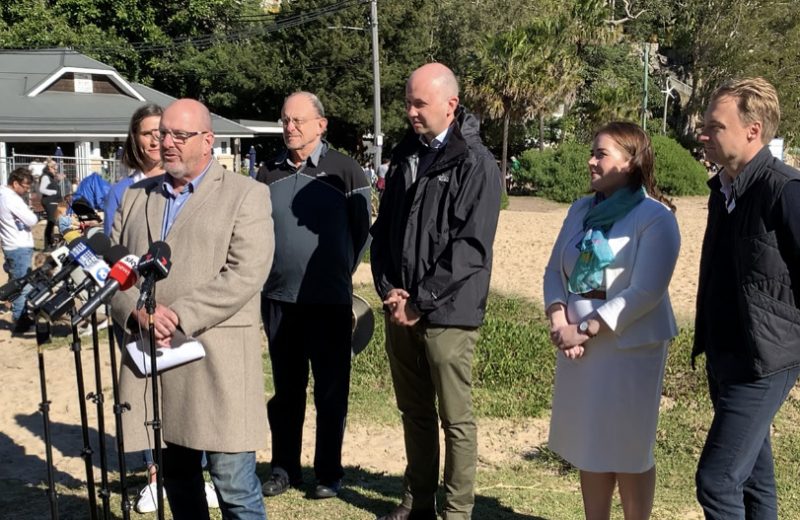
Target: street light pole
[376,86]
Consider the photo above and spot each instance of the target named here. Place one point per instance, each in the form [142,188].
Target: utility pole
[646,75]
[376,86]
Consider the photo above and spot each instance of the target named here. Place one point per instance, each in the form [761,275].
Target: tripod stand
[150,308]
[42,337]
[119,409]
[99,400]
[86,452]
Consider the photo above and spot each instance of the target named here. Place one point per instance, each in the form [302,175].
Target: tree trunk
[504,159]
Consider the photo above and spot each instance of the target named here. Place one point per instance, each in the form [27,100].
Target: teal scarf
[595,253]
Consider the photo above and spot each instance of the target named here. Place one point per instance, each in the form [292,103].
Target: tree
[734,38]
[521,73]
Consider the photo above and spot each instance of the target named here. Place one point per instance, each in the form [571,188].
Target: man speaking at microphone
[219,229]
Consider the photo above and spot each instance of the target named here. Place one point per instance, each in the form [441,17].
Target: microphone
[76,247]
[82,253]
[93,264]
[53,307]
[36,277]
[64,300]
[153,266]
[122,277]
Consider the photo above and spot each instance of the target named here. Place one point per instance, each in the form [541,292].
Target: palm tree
[522,73]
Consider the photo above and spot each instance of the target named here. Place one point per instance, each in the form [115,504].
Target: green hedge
[559,174]
[677,172]
[562,174]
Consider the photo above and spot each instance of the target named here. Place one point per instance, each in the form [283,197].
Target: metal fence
[75,168]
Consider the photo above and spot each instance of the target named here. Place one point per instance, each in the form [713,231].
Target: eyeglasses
[178,136]
[295,121]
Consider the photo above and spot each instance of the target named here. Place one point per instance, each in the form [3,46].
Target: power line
[209,39]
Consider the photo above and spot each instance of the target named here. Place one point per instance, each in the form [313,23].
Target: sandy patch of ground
[524,239]
[526,233]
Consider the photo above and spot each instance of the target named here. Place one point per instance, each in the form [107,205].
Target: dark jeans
[735,476]
[233,474]
[300,334]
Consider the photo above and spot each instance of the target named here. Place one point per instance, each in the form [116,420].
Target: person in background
[605,291]
[141,154]
[16,221]
[53,186]
[383,169]
[320,207]
[748,299]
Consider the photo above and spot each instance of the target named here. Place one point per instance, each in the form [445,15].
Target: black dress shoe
[277,483]
[404,513]
[328,491]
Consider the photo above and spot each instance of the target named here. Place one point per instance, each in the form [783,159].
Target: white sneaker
[86,328]
[147,503]
[211,496]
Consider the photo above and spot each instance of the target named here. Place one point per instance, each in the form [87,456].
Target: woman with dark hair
[605,290]
[141,154]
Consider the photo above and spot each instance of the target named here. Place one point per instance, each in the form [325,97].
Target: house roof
[61,94]
[262,127]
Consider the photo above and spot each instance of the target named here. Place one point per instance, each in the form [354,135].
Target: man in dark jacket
[748,315]
[431,259]
[320,207]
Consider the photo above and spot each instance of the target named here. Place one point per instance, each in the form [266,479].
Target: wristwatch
[583,328]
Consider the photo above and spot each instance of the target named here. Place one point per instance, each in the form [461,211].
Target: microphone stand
[119,409]
[86,452]
[42,337]
[99,400]
[150,308]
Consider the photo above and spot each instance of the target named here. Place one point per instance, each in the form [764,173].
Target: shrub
[559,174]
[677,172]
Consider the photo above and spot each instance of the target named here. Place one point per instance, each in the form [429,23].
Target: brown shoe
[404,513]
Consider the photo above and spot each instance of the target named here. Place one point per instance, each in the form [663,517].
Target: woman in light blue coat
[605,290]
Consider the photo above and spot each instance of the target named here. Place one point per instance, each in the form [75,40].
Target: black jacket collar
[465,131]
[749,174]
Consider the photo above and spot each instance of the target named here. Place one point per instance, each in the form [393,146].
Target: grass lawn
[513,375]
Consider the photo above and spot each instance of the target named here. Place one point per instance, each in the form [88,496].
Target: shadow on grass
[16,464]
[23,501]
[379,493]
[68,438]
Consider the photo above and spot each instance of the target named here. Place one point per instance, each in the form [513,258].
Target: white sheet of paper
[184,350]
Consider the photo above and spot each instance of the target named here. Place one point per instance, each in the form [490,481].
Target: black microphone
[153,266]
[64,300]
[77,247]
[35,277]
[121,278]
[82,253]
